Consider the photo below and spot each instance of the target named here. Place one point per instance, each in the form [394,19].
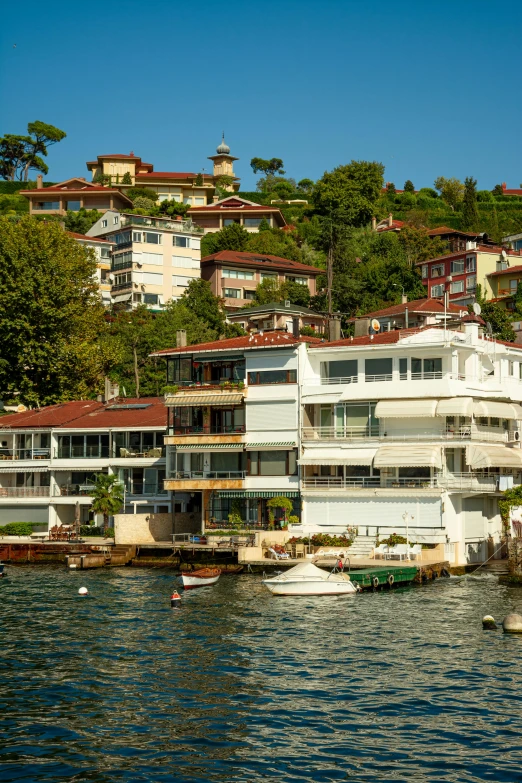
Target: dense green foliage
[82,220]
[21,154]
[18,528]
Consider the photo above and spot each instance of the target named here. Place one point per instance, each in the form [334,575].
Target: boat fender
[175,600]
[358,587]
[83,591]
[375,582]
[390,579]
[444,573]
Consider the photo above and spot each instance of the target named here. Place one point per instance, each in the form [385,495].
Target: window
[232,293]
[105,252]
[511,368]
[403,369]
[260,377]
[416,368]
[187,199]
[272,463]
[230,221]
[457,287]
[471,282]
[437,290]
[150,299]
[248,293]
[181,241]
[427,369]
[181,280]
[116,220]
[152,239]
[300,280]
[457,267]
[123,239]
[437,270]
[123,280]
[136,236]
[49,205]
[513,285]
[378,370]
[73,206]
[121,261]
[252,222]
[238,274]
[199,202]
[268,275]
[341,371]
[424,270]
[471,264]
[520,371]
[104,224]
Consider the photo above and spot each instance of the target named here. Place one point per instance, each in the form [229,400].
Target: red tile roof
[90,414]
[85,238]
[259,260]
[86,188]
[435,232]
[386,227]
[427,305]
[247,342]
[507,271]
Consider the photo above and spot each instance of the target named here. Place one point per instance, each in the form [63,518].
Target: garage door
[21,514]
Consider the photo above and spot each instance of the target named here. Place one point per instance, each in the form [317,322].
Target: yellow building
[502,285]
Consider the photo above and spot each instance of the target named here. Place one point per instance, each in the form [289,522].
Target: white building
[414,432]
[49,458]
[153,259]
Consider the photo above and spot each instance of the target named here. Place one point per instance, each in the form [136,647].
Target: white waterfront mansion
[411,432]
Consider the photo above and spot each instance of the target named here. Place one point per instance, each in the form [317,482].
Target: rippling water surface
[239,685]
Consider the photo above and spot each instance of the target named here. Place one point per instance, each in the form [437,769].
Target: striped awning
[210,447]
[410,456]
[261,493]
[277,444]
[493,457]
[403,409]
[186,400]
[338,456]
[231,494]
[23,469]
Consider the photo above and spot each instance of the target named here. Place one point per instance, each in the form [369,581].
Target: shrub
[91,530]
[392,540]
[18,528]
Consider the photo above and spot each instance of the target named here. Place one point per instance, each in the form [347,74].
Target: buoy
[488,623]
[512,623]
[83,591]
[175,600]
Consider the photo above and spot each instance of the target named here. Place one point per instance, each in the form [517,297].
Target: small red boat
[200,578]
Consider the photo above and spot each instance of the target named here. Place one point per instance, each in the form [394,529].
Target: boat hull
[319,587]
[203,578]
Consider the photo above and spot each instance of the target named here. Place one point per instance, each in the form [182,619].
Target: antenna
[477,309]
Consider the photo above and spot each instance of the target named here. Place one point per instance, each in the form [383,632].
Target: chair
[277,555]
[289,550]
[400,551]
[124,452]
[416,552]
[380,551]
[299,550]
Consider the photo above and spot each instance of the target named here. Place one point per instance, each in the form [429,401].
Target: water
[239,685]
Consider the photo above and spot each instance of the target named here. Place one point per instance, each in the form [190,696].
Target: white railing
[7,454]
[329,381]
[207,474]
[417,376]
[378,378]
[352,434]
[474,482]
[24,492]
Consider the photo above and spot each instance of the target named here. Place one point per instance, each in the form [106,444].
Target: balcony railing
[182,226]
[353,434]
[131,453]
[16,454]
[68,490]
[474,482]
[231,429]
[146,488]
[420,376]
[210,474]
[24,492]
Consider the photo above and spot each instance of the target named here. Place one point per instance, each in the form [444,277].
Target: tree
[272,166]
[498,190]
[409,187]
[52,326]
[107,496]
[297,293]
[102,179]
[305,185]
[81,221]
[199,299]
[126,179]
[283,190]
[145,205]
[264,225]
[499,318]
[470,216]
[390,189]
[20,154]
[224,181]
[348,194]
[451,190]
[233,237]
[199,180]
[267,291]
[418,246]
[173,208]
[274,242]
[134,193]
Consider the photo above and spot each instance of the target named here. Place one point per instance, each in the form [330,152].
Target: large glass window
[457,287]
[378,370]
[151,239]
[73,206]
[181,241]
[403,369]
[343,371]
[238,274]
[272,376]
[437,270]
[457,267]
[252,222]
[230,221]
[47,205]
[273,463]
[437,290]
[232,293]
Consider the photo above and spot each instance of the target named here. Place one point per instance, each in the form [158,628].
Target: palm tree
[107,496]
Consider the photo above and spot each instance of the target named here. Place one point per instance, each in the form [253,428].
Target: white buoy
[488,623]
[512,623]
[83,591]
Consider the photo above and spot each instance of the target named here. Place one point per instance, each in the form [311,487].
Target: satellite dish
[375,324]
[489,328]
[504,255]
[477,309]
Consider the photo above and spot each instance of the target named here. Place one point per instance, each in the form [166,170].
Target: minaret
[224,163]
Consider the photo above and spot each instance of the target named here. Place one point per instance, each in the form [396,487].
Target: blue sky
[428,89]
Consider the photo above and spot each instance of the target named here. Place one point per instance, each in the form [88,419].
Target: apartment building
[72,195]
[278,316]
[187,187]
[102,250]
[153,260]
[414,432]
[408,314]
[49,458]
[234,275]
[453,238]
[213,217]
[459,273]
[502,285]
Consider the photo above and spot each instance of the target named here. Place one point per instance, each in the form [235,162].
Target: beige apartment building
[102,250]
[234,275]
[71,196]
[153,259]
[187,187]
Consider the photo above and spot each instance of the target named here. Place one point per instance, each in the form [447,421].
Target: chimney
[112,390]
[406,318]
[362,327]
[39,181]
[215,198]
[404,299]
[374,223]
[390,219]
[295,325]
[334,328]
[181,338]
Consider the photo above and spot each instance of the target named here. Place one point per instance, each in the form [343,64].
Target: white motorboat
[307,579]
[200,578]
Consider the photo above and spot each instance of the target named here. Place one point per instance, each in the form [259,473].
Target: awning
[455,406]
[231,494]
[184,400]
[210,447]
[493,457]
[313,399]
[400,409]
[517,409]
[274,445]
[23,469]
[261,493]
[408,457]
[338,456]
[122,298]
[497,410]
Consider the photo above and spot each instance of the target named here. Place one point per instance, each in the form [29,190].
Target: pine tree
[470,216]
[409,187]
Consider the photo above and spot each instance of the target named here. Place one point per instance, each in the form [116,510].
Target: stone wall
[515,558]
[153,528]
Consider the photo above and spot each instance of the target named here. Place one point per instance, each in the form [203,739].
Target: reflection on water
[239,685]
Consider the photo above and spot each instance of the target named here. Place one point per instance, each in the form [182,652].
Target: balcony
[356,434]
[471,482]
[24,492]
[187,481]
[142,221]
[10,455]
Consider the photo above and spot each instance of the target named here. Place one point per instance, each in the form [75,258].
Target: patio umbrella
[77,520]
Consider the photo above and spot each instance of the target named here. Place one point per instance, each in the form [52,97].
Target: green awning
[231,494]
[263,494]
[209,446]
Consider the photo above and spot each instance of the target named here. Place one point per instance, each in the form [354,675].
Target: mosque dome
[223,148]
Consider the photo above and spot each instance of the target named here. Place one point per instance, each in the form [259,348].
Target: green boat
[387,576]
